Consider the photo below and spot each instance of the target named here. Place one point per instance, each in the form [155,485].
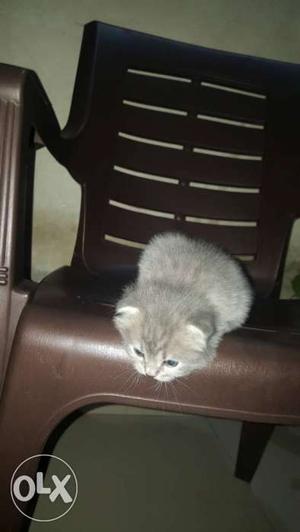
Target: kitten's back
[175,257]
[203,268]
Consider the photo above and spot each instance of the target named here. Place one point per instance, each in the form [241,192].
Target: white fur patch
[196,336]
[125,316]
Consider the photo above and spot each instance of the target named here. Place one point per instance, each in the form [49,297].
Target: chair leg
[22,435]
[33,407]
[45,386]
[253,440]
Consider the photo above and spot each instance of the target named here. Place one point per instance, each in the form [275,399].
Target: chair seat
[67,328]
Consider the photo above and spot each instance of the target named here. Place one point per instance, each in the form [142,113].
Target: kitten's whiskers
[131,381]
[173,388]
[180,381]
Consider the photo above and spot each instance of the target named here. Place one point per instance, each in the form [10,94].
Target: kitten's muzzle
[151,372]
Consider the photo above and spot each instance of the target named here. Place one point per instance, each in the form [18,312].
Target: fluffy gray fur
[188,294]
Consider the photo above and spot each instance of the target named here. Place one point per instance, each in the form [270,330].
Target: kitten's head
[162,347]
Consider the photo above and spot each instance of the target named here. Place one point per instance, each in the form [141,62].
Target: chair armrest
[21,88]
[24,112]
[275,315]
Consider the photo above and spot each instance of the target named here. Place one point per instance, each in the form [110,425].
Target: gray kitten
[188,294]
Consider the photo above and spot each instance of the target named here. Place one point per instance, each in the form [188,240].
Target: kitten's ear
[200,331]
[126,316]
[197,338]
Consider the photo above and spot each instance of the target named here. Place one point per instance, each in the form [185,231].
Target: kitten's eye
[170,362]
[138,352]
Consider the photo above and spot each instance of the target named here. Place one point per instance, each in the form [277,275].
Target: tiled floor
[139,472]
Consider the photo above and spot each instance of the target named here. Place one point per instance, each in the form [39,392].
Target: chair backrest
[167,136]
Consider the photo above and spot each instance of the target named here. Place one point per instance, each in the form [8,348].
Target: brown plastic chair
[57,338]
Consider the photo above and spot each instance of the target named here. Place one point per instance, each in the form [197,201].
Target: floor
[140,472]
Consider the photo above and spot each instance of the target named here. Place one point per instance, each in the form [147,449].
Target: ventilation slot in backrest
[188,157]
